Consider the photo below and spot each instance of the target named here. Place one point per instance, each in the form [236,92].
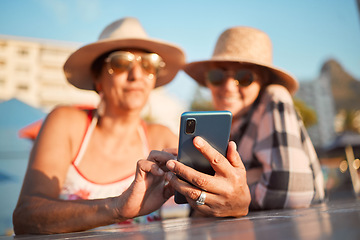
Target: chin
[236,112]
[233,108]
[134,105]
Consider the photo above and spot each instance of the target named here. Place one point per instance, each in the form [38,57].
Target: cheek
[151,83]
[252,93]
[214,93]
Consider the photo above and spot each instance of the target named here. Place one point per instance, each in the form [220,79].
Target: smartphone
[212,126]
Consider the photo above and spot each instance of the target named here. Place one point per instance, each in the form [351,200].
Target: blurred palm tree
[307,114]
[201,102]
[348,120]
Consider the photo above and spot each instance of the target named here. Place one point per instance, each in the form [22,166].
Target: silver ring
[201,199]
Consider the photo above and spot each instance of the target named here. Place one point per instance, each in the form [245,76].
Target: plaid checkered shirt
[273,137]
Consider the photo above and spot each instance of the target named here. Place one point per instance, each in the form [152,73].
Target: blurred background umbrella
[4,177]
[31,131]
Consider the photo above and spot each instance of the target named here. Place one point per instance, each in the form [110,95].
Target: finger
[219,163]
[233,156]
[172,151]
[204,208]
[168,191]
[145,166]
[191,192]
[192,176]
[160,158]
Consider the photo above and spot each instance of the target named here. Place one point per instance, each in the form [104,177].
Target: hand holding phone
[213,127]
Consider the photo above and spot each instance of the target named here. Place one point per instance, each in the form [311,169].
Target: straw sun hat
[243,45]
[123,33]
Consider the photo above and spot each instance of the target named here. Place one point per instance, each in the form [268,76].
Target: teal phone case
[214,127]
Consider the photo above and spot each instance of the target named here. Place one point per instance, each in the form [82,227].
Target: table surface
[333,220]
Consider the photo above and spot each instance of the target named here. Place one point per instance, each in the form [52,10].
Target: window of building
[2,64]
[22,87]
[2,45]
[23,52]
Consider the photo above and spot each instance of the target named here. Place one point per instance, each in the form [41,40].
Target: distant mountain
[345,88]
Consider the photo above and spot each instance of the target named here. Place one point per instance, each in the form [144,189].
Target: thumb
[233,156]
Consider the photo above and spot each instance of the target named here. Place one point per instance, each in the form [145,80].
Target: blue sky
[304,33]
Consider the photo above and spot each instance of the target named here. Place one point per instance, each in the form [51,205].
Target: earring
[102,105]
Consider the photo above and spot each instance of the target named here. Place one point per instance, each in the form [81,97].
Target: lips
[134,89]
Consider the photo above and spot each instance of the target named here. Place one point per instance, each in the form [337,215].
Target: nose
[230,83]
[135,71]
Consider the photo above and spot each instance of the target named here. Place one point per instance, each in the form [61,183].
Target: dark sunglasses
[121,61]
[243,77]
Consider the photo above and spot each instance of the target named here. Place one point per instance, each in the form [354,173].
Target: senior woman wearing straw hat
[91,157]
[282,168]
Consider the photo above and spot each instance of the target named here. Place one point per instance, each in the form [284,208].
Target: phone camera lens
[190,126]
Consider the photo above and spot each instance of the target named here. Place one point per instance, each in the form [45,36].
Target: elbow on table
[19,220]
[24,221]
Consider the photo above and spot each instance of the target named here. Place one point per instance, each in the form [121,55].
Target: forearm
[37,215]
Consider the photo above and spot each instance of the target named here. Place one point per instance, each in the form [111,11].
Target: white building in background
[318,95]
[31,71]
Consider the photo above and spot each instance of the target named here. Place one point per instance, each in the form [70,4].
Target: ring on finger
[201,199]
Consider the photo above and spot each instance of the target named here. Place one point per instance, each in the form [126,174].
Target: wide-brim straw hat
[125,33]
[243,45]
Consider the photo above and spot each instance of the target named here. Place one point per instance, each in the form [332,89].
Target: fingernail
[199,142]
[234,144]
[160,171]
[170,165]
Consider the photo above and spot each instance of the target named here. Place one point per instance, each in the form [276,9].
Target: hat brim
[197,71]
[77,67]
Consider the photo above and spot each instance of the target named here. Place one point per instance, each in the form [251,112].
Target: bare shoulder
[161,137]
[66,114]
[64,124]
[66,118]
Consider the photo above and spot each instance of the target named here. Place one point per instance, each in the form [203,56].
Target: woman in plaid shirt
[277,167]
[282,167]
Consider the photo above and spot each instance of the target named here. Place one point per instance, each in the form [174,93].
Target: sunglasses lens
[244,77]
[121,61]
[152,63]
[215,76]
